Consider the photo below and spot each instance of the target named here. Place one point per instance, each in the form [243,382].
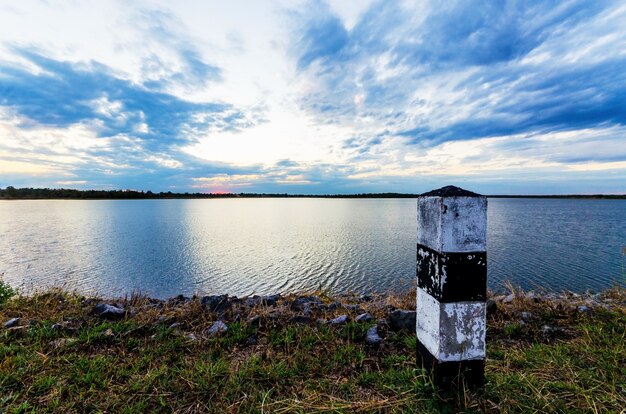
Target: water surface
[247,246]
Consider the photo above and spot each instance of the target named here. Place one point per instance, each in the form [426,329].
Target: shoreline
[306,352]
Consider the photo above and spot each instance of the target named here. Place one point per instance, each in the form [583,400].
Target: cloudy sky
[314,97]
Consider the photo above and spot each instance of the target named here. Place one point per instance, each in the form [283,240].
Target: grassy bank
[563,354]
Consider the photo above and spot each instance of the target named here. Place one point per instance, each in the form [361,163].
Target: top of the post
[450,191]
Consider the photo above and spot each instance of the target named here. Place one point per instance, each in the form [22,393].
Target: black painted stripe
[465,275]
[447,375]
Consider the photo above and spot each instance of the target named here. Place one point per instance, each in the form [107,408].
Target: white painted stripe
[452,224]
[450,331]
[427,320]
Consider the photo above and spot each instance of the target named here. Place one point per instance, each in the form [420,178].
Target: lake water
[246,246]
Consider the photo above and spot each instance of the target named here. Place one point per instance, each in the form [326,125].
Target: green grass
[140,365]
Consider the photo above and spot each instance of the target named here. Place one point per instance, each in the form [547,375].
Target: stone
[301,302]
[364,317]
[526,316]
[509,298]
[402,320]
[254,320]
[177,300]
[56,327]
[270,300]
[175,325]
[365,298]
[61,342]
[492,307]
[372,337]
[108,311]
[301,319]
[333,306]
[215,303]
[217,328]
[583,309]
[339,320]
[191,337]
[11,323]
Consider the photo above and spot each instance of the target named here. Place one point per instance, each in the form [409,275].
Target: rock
[215,303]
[191,337]
[108,311]
[356,308]
[508,299]
[300,319]
[307,310]
[365,298]
[333,306]
[583,309]
[11,323]
[320,321]
[364,317]
[372,337]
[254,321]
[270,300]
[217,328]
[300,302]
[177,300]
[61,342]
[57,327]
[492,307]
[175,325]
[526,316]
[402,320]
[339,320]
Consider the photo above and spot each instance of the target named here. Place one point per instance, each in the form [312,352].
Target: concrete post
[452,286]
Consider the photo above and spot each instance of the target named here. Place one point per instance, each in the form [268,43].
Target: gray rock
[402,320]
[56,327]
[192,337]
[11,323]
[526,316]
[301,319]
[217,328]
[254,320]
[372,337]
[262,300]
[302,301]
[364,317]
[355,308]
[339,320]
[333,306]
[215,303]
[365,298]
[583,309]
[508,299]
[177,300]
[176,325]
[108,311]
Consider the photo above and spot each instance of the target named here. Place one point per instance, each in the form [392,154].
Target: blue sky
[314,97]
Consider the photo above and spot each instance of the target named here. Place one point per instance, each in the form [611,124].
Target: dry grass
[555,358]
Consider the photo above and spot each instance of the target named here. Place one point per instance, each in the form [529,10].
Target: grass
[140,364]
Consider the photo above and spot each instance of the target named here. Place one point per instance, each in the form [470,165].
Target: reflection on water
[246,246]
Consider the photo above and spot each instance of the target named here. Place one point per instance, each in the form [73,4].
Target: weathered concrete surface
[451,331]
[452,277]
[454,224]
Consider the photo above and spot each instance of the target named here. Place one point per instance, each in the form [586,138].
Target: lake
[258,246]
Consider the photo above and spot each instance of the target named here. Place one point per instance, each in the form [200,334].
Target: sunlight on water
[246,246]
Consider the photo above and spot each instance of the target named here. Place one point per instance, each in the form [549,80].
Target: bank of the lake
[62,352]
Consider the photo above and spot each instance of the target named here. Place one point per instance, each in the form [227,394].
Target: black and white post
[452,286]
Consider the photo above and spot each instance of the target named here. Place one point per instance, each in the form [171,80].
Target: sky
[314,97]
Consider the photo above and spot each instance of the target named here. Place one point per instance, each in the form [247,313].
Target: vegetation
[11,193]
[143,363]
